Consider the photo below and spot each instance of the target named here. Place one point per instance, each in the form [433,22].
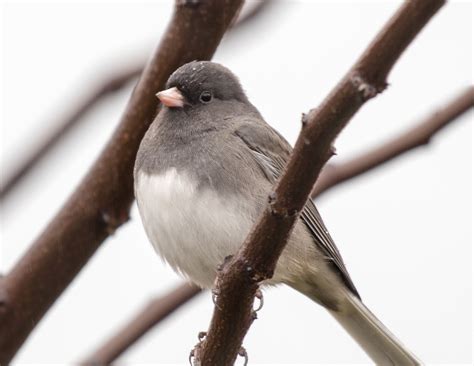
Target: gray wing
[272,151]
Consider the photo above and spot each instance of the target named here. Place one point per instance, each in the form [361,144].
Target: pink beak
[171,97]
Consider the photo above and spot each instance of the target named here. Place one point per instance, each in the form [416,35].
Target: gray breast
[211,154]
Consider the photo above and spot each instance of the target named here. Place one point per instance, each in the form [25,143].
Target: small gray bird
[202,176]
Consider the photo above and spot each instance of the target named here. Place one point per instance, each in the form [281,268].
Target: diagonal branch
[111,85]
[154,312]
[256,260]
[419,135]
[102,201]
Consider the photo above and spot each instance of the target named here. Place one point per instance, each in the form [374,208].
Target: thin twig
[157,310]
[103,199]
[239,278]
[74,117]
[419,135]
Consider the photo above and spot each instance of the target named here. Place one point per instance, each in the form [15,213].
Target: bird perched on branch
[202,176]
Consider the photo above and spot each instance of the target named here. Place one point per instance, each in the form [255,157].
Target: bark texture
[102,201]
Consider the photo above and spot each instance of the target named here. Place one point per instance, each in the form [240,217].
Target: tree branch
[157,310]
[331,176]
[255,262]
[102,201]
[419,135]
[74,117]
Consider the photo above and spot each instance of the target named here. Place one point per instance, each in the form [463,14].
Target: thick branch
[256,260]
[419,135]
[157,310]
[102,201]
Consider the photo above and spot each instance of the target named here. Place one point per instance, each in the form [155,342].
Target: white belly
[193,230]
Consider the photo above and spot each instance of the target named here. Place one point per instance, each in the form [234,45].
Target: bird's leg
[194,359]
[201,336]
[215,290]
[259,296]
[243,353]
[191,356]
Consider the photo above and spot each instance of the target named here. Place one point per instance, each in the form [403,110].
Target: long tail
[369,332]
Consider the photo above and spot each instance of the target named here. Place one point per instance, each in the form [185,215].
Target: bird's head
[201,83]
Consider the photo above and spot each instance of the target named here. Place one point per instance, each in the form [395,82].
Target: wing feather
[261,139]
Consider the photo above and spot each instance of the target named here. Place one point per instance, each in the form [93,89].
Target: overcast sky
[404,230]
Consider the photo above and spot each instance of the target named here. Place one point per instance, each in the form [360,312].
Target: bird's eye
[206,97]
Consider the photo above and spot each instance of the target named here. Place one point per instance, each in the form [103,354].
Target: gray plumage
[210,165]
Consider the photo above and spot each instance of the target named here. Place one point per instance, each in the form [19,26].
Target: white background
[404,230]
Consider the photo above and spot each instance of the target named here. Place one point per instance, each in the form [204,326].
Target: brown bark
[239,278]
[102,201]
[420,135]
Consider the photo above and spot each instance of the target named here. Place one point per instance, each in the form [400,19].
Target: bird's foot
[201,336]
[259,296]
[194,359]
[215,292]
[243,353]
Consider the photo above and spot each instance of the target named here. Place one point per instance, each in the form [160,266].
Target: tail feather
[369,332]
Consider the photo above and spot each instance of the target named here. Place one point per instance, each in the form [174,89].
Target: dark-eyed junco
[202,176]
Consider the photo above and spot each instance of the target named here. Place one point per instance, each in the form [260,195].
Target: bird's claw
[215,293]
[193,360]
[243,353]
[259,296]
[191,355]
[201,336]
